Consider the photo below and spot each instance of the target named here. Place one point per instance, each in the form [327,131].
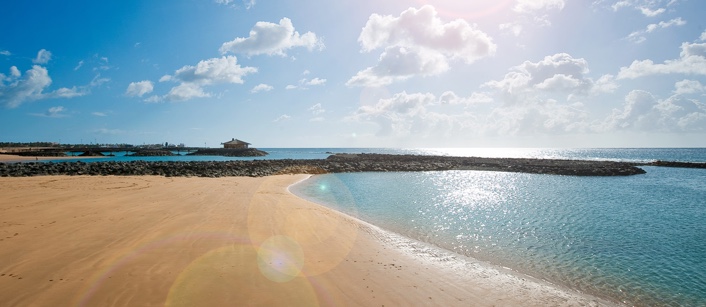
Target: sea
[638,240]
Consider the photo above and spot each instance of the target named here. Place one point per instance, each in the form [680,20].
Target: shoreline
[430,254]
[151,240]
[10,158]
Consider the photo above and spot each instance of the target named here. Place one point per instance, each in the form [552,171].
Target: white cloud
[317,109]
[56,111]
[249,4]
[649,8]
[99,114]
[139,89]
[559,73]
[525,6]
[639,36]
[213,71]
[688,87]
[53,112]
[272,39]
[261,88]
[192,79]
[43,57]
[5,53]
[451,98]
[28,88]
[67,93]
[650,12]
[316,81]
[283,117]
[418,43]
[154,99]
[692,61]
[405,115]
[536,117]
[80,63]
[423,29]
[512,27]
[644,112]
[185,91]
[303,83]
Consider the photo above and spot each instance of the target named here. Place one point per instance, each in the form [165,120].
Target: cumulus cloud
[317,109]
[688,87]
[639,36]
[79,65]
[559,73]
[451,98]
[261,88]
[652,12]
[649,8]
[316,81]
[303,83]
[405,114]
[283,117]
[193,79]
[418,42]
[213,71]
[642,111]
[139,89]
[53,112]
[185,91]
[419,115]
[16,89]
[536,117]
[525,6]
[272,39]
[43,57]
[513,27]
[692,61]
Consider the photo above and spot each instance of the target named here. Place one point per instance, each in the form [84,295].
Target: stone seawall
[340,163]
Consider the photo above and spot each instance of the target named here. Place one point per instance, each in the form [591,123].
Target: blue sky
[396,73]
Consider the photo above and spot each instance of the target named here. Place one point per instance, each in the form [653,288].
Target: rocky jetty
[678,164]
[334,164]
[152,153]
[229,152]
[92,154]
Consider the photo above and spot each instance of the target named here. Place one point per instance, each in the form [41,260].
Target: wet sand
[155,241]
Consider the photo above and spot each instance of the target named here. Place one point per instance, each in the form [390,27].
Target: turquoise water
[640,240]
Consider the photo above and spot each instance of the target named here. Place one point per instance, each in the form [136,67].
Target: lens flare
[280,259]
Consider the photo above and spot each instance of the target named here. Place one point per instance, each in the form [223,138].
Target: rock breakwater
[340,163]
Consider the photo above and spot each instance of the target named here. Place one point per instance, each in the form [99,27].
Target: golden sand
[155,241]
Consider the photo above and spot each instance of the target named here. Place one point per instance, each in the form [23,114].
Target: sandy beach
[6,158]
[155,241]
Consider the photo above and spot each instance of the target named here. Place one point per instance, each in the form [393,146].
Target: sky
[364,73]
